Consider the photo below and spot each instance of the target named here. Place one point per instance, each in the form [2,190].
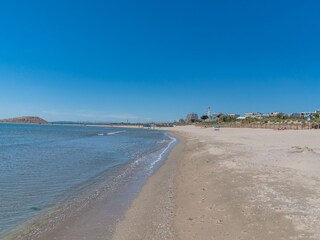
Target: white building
[253,115]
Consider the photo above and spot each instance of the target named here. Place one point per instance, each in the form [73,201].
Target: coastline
[151,214]
[99,203]
[231,184]
[100,219]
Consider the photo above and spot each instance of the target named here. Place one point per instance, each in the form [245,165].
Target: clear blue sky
[157,60]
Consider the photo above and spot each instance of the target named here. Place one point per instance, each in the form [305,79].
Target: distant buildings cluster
[259,115]
[209,117]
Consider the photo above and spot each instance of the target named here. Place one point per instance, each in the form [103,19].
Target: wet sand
[151,214]
[231,184]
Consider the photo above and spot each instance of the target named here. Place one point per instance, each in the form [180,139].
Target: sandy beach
[231,184]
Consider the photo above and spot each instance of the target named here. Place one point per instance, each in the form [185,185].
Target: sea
[49,171]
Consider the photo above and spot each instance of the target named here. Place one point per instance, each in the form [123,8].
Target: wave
[113,133]
[160,157]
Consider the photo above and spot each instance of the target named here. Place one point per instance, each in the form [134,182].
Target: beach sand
[231,184]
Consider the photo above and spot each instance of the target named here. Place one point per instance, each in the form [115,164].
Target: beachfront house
[274,114]
[253,115]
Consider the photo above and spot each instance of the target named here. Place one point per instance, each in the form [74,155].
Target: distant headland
[25,119]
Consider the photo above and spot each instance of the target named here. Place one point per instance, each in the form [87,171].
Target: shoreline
[151,214]
[231,184]
[94,215]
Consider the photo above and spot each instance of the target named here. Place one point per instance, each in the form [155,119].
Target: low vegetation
[280,119]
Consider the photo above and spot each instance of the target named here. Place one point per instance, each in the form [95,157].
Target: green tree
[204,117]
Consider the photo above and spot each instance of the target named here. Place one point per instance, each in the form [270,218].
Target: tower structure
[209,113]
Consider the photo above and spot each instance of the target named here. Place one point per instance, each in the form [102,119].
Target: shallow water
[43,166]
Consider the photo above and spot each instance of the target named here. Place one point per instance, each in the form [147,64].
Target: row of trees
[220,117]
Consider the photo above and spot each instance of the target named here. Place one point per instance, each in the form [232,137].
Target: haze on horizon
[157,61]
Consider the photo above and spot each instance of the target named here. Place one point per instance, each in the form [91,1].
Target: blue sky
[157,60]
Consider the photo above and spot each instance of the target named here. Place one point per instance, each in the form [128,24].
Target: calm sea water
[43,165]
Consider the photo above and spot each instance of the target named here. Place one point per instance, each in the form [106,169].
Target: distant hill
[26,119]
